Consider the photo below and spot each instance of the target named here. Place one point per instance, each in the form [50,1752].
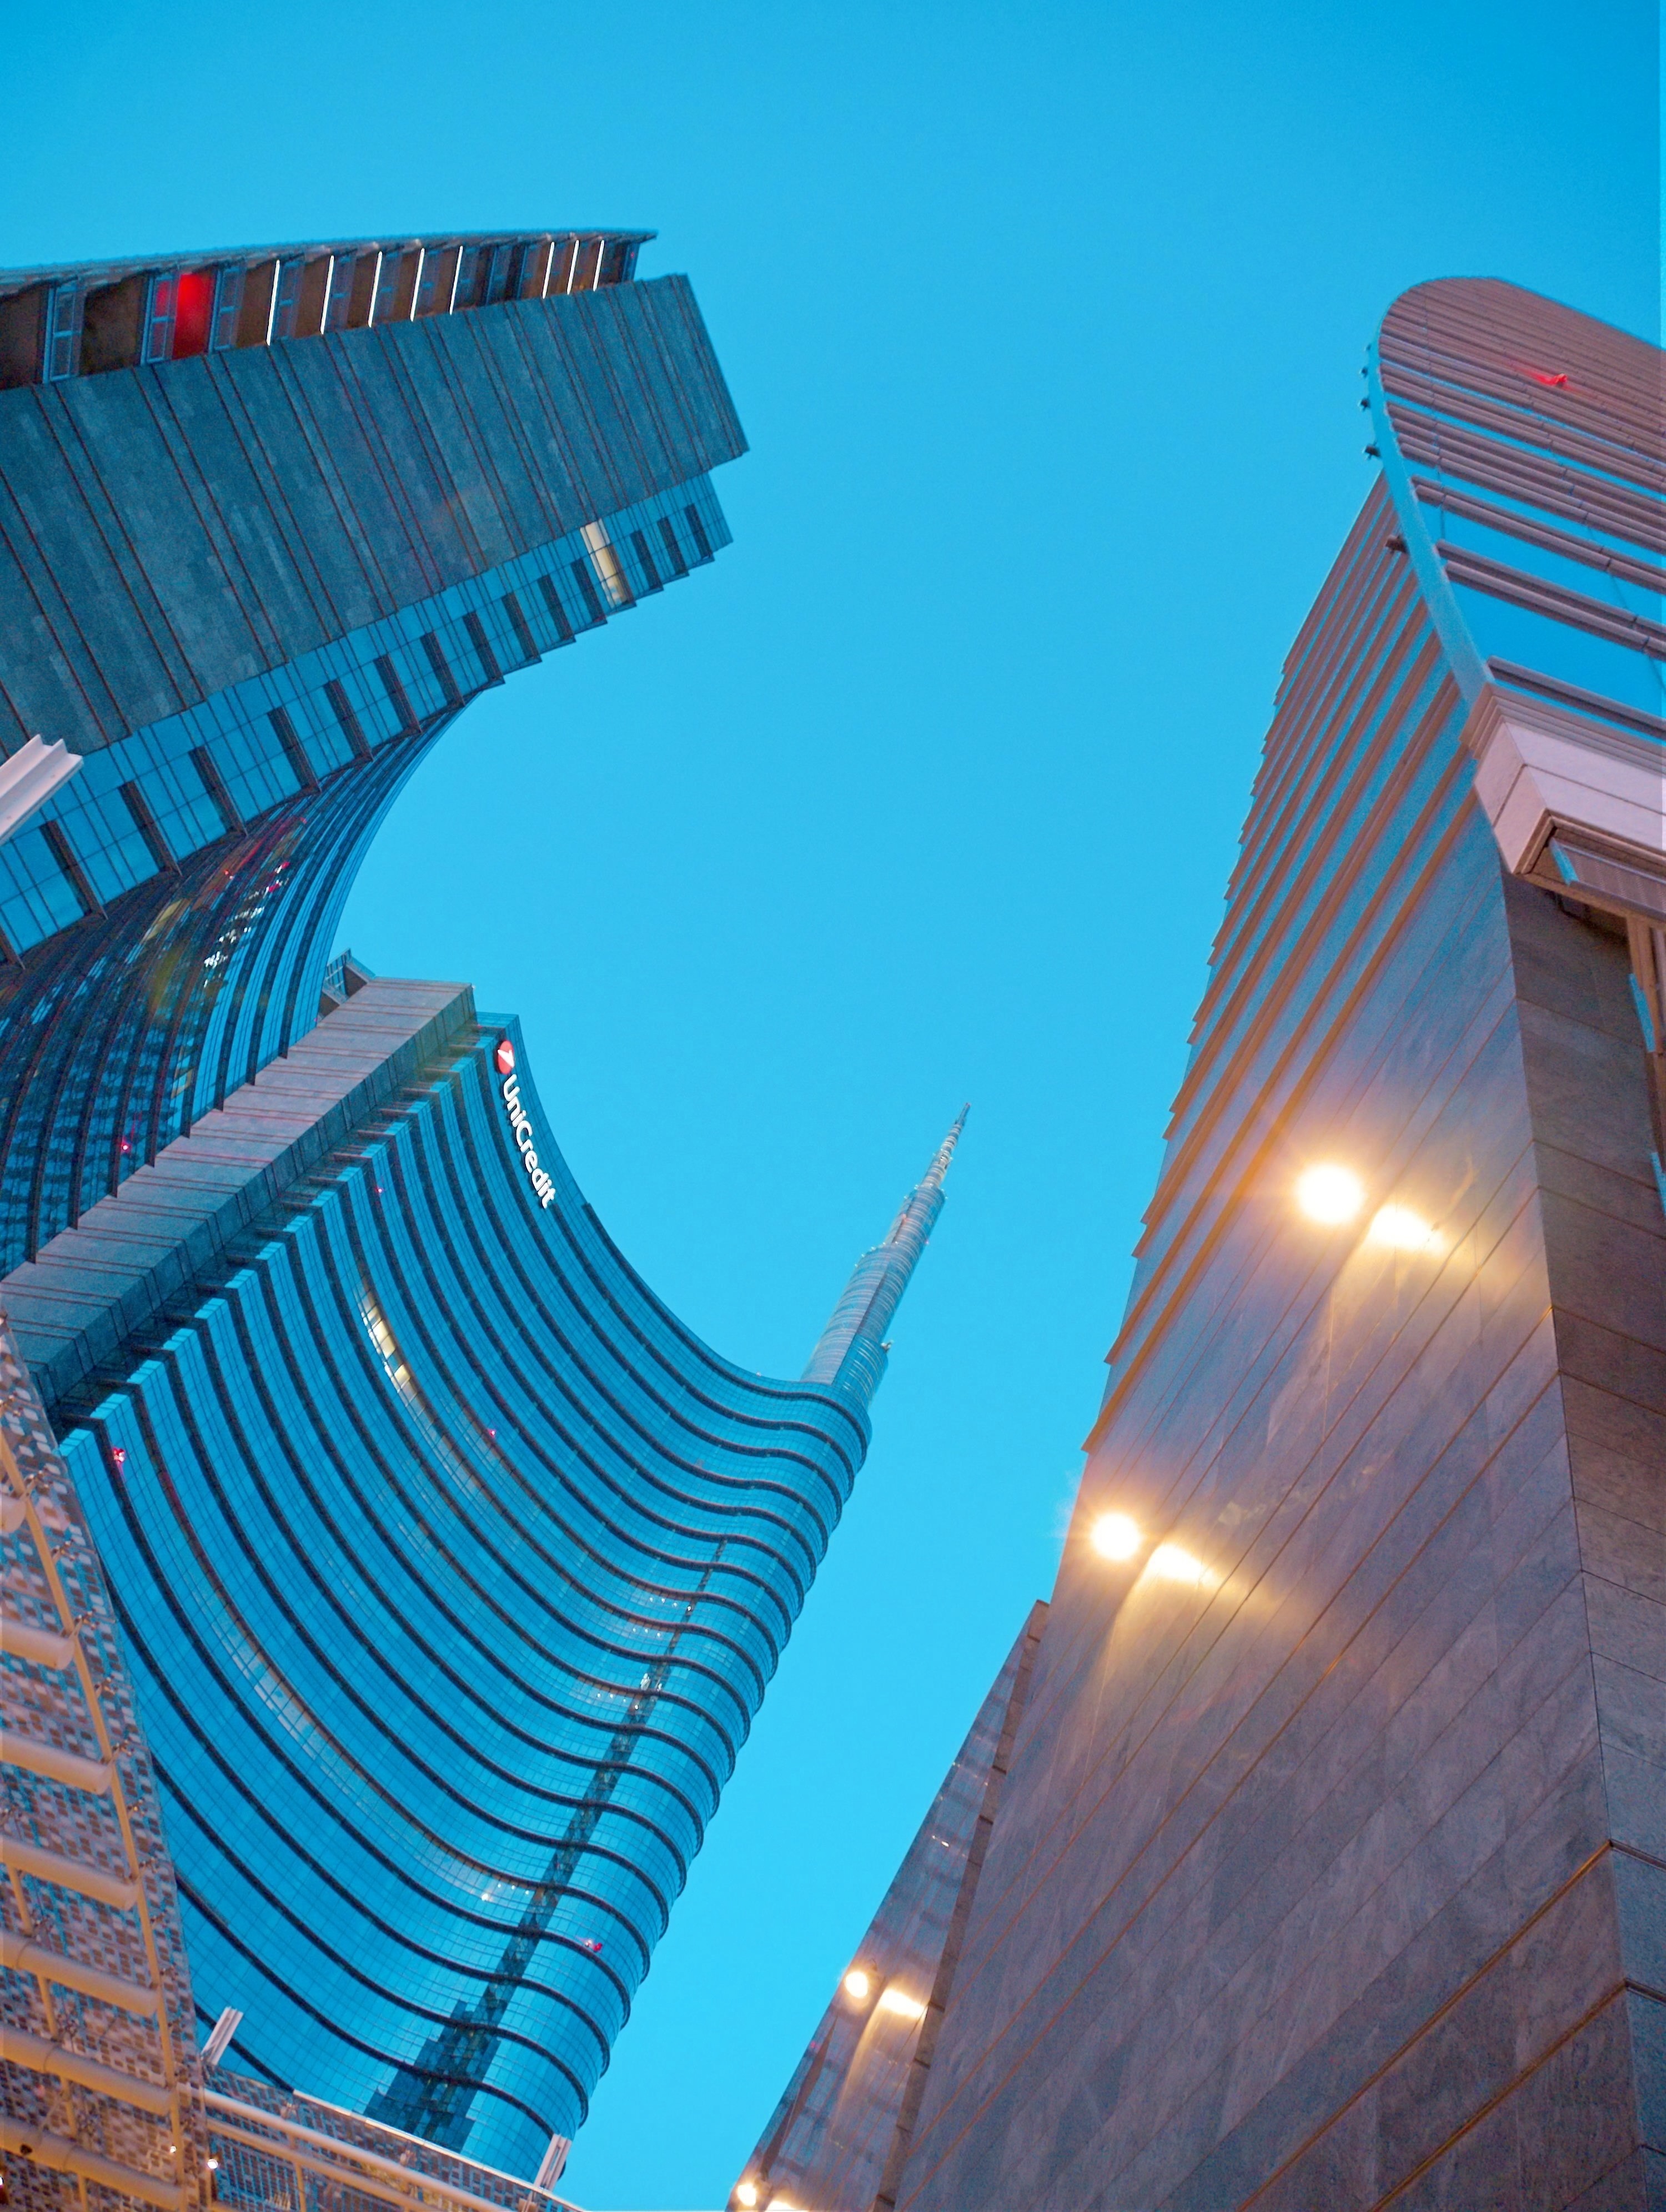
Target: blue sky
[1044,322]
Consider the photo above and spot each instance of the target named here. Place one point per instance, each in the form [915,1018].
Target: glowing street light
[857,1984]
[1115,1536]
[746,2194]
[1330,1195]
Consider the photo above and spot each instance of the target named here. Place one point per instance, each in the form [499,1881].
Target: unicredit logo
[520,1123]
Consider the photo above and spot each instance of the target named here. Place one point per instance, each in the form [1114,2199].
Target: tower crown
[850,1352]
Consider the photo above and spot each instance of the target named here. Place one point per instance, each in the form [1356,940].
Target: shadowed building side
[1329,1867]
[840,2135]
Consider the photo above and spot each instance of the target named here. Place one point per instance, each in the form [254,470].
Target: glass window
[388,287]
[340,292]
[286,299]
[679,567]
[159,316]
[468,277]
[436,280]
[228,304]
[501,276]
[64,312]
[193,312]
[645,555]
[607,565]
[697,531]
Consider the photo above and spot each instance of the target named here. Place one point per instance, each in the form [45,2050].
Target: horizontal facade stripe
[453,1566]
[302,2004]
[231,1541]
[443,1711]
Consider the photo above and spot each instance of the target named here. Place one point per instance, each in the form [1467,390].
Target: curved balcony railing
[79,321]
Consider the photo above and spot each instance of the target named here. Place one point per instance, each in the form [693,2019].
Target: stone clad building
[1330,1868]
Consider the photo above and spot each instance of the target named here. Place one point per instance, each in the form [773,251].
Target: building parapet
[97,316]
[274,2149]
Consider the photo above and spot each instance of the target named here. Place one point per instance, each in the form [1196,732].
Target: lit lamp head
[746,2194]
[1115,1536]
[857,1984]
[1329,1194]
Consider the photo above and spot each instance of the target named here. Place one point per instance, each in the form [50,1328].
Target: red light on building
[193,309]
[1556,378]
[505,1057]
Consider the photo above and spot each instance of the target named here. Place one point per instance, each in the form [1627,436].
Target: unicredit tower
[445,1568]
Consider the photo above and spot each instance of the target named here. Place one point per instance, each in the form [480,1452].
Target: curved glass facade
[245,584]
[451,1567]
[126,1024]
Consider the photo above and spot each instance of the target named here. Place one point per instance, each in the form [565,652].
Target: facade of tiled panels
[250,589]
[1336,1879]
[832,2139]
[99,2104]
[167,533]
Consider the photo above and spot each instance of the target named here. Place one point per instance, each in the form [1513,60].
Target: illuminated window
[606,563]
[193,312]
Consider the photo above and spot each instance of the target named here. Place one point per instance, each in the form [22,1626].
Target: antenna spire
[850,1353]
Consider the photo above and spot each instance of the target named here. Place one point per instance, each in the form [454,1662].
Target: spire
[850,1353]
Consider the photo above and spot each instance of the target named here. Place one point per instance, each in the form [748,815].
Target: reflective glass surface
[453,1569]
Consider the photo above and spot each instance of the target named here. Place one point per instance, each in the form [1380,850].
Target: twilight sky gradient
[1045,321]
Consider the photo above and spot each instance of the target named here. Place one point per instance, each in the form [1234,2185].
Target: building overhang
[1576,806]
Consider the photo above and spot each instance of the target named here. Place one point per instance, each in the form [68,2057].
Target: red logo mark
[505,1057]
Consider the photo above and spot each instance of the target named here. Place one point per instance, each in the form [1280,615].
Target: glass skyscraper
[245,583]
[450,1568]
